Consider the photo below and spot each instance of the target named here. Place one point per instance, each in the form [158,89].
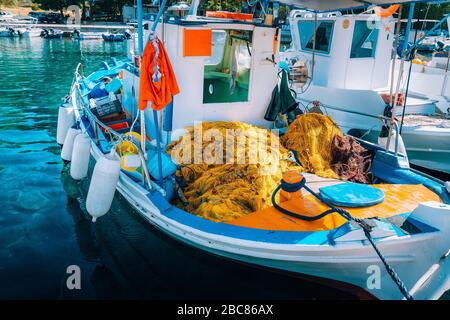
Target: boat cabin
[350,51]
[225,70]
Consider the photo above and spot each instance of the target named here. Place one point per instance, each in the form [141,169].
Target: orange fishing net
[227,183]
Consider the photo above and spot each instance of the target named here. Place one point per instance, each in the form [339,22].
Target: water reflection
[43,224]
[142,262]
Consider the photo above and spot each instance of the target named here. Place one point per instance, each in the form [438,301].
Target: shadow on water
[135,260]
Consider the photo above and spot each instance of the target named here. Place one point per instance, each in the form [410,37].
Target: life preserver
[385,13]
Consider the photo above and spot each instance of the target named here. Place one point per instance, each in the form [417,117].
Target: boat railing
[120,137]
[387,122]
[384,121]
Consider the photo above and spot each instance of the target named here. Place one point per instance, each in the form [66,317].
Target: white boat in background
[6,32]
[9,32]
[414,243]
[5,16]
[349,80]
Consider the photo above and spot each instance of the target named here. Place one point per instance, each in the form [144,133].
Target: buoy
[102,187]
[65,121]
[386,13]
[66,152]
[80,156]
[382,141]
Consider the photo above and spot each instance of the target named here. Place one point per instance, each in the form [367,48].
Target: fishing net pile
[322,149]
[351,161]
[226,180]
[310,135]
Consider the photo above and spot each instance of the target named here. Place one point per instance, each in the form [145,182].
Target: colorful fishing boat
[388,240]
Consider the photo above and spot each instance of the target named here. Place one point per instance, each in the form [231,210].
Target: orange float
[230,15]
[385,13]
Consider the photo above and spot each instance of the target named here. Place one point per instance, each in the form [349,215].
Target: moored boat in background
[356,100]
[52,34]
[116,37]
[78,35]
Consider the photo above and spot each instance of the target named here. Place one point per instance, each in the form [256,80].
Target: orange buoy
[385,13]
[291,177]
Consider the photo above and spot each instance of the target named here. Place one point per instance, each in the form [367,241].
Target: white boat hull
[347,262]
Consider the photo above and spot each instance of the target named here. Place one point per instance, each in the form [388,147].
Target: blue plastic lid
[351,194]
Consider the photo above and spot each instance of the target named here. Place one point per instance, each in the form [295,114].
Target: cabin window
[324,34]
[364,44]
[218,45]
[227,71]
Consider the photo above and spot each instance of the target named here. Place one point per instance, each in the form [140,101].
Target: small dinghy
[78,35]
[116,37]
[52,34]
[9,32]
[386,234]
[6,32]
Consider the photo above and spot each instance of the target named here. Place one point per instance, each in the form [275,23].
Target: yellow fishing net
[237,166]
[311,136]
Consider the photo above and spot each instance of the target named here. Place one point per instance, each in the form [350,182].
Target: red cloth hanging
[158,93]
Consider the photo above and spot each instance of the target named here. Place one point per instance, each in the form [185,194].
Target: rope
[293,187]
[394,276]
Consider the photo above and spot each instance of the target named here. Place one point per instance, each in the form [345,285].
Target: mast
[140,28]
[194,7]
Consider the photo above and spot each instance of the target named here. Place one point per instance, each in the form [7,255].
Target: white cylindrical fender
[80,156]
[103,185]
[67,149]
[65,121]
[382,142]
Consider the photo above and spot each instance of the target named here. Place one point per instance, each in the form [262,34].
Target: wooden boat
[411,229]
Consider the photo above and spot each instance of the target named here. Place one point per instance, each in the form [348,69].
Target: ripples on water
[43,228]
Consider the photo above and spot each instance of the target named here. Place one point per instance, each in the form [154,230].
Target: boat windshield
[324,35]
[365,39]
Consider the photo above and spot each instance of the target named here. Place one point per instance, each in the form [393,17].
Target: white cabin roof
[329,5]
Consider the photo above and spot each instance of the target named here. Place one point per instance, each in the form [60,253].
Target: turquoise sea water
[43,226]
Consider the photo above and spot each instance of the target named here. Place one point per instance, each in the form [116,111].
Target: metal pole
[405,52]
[409,78]
[314,46]
[159,14]
[158,147]
[194,7]
[408,27]
[397,35]
[140,28]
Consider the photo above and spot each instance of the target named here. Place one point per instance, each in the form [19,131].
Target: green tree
[224,5]
[58,5]
[8,3]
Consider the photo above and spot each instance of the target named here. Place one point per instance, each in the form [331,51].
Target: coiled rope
[293,187]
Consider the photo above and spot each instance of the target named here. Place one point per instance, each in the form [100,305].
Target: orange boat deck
[398,199]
